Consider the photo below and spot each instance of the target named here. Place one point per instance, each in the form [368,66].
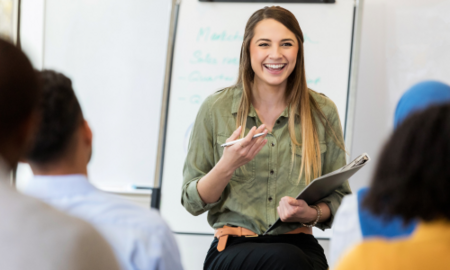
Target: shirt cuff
[197,205]
[333,204]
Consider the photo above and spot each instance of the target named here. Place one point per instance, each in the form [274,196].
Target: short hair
[61,116]
[412,178]
[19,89]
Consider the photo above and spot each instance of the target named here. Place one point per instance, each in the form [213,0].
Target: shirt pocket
[296,164]
[242,174]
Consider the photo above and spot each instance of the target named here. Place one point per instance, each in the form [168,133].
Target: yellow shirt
[427,248]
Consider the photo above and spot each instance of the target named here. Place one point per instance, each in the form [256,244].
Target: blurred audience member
[34,235]
[412,181]
[59,159]
[353,222]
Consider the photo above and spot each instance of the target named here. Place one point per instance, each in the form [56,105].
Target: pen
[236,141]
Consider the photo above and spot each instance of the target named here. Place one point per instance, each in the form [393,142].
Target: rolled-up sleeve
[334,159]
[199,160]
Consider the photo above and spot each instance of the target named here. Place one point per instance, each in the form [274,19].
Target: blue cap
[419,97]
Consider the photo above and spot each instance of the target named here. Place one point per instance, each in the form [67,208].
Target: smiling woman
[247,186]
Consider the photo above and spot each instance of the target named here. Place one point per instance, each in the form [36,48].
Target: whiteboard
[115,53]
[206,59]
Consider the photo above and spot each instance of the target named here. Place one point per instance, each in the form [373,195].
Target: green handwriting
[206,34]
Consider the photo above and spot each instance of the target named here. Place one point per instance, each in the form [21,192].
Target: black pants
[278,252]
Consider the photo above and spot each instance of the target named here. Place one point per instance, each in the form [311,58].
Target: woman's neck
[268,96]
[269,102]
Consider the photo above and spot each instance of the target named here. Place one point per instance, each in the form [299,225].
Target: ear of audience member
[411,181]
[353,221]
[59,158]
[34,235]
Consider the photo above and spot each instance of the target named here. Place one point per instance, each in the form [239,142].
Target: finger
[257,147]
[256,143]
[260,138]
[293,201]
[248,139]
[281,213]
[235,134]
[261,128]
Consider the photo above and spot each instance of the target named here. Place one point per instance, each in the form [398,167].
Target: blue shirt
[375,226]
[138,236]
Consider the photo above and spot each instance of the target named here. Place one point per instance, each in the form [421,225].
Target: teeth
[275,66]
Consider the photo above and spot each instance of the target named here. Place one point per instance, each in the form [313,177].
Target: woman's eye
[286,44]
[263,44]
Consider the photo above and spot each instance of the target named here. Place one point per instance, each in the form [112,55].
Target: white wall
[403,42]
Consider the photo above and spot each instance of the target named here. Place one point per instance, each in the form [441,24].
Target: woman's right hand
[211,186]
[241,153]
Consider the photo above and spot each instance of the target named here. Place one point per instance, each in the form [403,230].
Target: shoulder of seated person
[129,214]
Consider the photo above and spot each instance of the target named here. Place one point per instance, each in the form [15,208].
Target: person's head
[272,54]
[63,142]
[19,98]
[412,177]
[272,47]
[419,97]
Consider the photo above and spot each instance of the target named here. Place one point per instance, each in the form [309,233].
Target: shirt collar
[45,186]
[237,94]
[252,112]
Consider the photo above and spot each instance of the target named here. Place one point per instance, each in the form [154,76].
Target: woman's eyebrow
[263,39]
[287,39]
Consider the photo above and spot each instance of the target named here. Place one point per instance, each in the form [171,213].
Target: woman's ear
[87,133]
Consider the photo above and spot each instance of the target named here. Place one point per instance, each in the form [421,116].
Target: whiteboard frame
[350,110]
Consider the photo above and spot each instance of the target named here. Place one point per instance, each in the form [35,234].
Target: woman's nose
[275,52]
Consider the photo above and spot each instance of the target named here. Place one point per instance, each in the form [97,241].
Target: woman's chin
[274,83]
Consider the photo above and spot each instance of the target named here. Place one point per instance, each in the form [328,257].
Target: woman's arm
[211,186]
[200,164]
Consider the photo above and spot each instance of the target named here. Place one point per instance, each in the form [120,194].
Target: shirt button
[271,171]
[278,121]
[270,199]
[273,144]
[270,225]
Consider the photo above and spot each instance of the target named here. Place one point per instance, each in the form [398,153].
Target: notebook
[325,185]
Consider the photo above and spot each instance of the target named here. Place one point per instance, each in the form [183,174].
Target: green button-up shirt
[251,197]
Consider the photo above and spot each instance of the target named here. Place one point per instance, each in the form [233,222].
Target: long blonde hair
[297,93]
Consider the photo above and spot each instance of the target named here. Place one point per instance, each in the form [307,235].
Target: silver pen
[236,141]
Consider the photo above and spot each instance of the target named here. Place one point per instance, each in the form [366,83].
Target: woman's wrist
[224,170]
[312,215]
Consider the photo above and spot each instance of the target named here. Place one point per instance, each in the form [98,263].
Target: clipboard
[326,184]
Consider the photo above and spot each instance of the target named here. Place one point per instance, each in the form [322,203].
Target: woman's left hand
[292,210]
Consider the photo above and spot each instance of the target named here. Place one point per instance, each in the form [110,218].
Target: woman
[353,222]
[412,181]
[247,186]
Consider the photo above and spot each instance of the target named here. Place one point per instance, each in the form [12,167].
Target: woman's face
[273,52]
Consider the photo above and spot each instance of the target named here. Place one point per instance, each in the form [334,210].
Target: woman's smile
[275,69]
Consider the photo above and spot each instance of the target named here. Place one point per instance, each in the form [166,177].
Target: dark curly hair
[412,178]
[19,89]
[61,116]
